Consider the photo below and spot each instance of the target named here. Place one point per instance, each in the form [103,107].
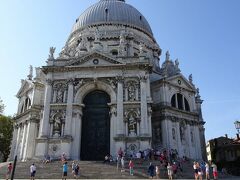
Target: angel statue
[51,52]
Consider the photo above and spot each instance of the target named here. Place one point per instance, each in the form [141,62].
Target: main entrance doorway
[95,141]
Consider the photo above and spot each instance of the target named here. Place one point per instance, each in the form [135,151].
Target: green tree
[1,106]
[6,129]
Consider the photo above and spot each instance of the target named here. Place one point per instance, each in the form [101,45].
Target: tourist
[76,171]
[63,157]
[122,164]
[175,168]
[151,170]
[195,168]
[170,171]
[47,159]
[215,173]
[65,170]
[200,172]
[131,167]
[207,171]
[158,172]
[32,171]
[120,152]
[9,170]
[73,168]
[106,159]
[138,154]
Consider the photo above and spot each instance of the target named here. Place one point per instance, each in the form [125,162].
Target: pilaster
[47,100]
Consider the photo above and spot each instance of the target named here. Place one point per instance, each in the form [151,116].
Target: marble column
[23,140]
[26,141]
[68,120]
[189,141]
[143,124]
[179,142]
[47,100]
[120,124]
[17,140]
[76,133]
[31,139]
[198,143]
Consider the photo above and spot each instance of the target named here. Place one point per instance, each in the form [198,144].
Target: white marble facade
[151,106]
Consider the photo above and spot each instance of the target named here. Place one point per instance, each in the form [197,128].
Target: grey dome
[112,12]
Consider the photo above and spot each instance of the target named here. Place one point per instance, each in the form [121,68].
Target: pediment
[94,59]
[26,86]
[180,81]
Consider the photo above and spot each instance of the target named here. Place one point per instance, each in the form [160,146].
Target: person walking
[151,170]
[73,168]
[158,172]
[131,167]
[207,171]
[76,171]
[122,164]
[32,171]
[9,170]
[215,172]
[170,171]
[65,170]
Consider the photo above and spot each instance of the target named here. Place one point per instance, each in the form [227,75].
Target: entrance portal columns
[120,125]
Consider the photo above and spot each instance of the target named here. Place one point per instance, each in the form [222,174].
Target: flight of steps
[53,170]
[98,170]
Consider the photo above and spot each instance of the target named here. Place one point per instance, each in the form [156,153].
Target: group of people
[204,168]
[32,171]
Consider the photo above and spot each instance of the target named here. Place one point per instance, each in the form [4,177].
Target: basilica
[106,90]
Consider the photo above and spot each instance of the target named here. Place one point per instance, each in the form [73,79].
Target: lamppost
[237,126]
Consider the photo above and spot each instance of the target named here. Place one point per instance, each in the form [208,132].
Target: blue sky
[204,35]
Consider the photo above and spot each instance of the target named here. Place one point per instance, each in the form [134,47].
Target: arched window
[180,102]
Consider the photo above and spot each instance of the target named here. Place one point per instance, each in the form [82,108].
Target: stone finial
[167,56]
[30,76]
[190,78]
[51,53]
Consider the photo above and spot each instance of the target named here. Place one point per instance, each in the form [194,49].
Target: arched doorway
[95,141]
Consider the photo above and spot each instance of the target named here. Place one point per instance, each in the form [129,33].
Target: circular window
[95,61]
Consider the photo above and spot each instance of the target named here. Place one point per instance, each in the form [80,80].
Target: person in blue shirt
[65,170]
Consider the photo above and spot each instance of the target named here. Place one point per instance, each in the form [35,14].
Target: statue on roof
[30,76]
[167,56]
[51,52]
[190,78]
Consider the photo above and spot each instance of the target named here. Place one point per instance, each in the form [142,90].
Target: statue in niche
[173,134]
[57,126]
[141,49]
[132,126]
[191,136]
[59,98]
[131,92]
[83,44]
[122,44]
[182,133]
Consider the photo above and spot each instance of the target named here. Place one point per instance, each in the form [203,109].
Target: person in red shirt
[131,167]
[9,170]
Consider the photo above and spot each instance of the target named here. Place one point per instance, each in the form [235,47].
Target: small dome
[112,12]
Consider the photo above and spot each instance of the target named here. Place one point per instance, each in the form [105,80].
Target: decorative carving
[78,84]
[82,46]
[113,111]
[141,49]
[112,82]
[122,44]
[132,125]
[60,91]
[131,92]
[149,111]
[51,53]
[49,82]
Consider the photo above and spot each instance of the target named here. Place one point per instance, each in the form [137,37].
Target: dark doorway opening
[95,141]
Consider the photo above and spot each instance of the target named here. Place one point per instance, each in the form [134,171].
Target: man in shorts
[32,171]
[65,170]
